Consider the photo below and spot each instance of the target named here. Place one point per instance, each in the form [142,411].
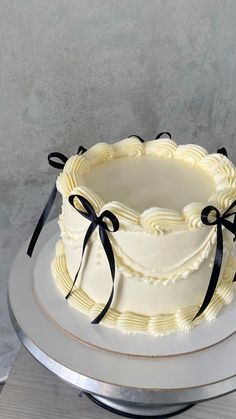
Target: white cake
[163,252]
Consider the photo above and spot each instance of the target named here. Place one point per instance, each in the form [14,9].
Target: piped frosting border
[153,220]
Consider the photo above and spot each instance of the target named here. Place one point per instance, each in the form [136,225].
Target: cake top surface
[153,184]
[150,181]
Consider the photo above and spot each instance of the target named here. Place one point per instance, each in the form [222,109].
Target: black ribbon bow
[219,221]
[97,221]
[43,218]
[223,151]
[156,138]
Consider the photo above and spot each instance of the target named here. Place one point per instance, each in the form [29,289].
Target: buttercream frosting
[163,252]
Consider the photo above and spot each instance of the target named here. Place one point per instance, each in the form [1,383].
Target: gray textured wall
[77,72]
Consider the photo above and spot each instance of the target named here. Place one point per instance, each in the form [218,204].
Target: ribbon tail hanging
[111,260]
[88,234]
[215,272]
[42,221]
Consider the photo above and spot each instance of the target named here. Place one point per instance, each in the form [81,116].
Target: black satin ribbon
[219,221]
[97,221]
[156,138]
[223,151]
[43,218]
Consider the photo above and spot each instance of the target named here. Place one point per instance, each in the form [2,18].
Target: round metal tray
[149,387]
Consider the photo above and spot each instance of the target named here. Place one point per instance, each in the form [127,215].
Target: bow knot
[101,222]
[220,219]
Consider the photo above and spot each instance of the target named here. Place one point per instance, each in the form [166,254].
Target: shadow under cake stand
[133,375]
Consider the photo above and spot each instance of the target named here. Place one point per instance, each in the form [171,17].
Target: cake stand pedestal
[129,385]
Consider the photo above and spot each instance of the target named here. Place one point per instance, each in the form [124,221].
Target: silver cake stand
[131,386]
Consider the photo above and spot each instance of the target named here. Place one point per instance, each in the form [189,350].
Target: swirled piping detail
[190,152]
[224,198]
[131,147]
[156,325]
[215,163]
[95,200]
[130,322]
[109,320]
[220,167]
[161,148]
[99,153]
[72,174]
[122,212]
[80,299]
[162,324]
[192,215]
[76,163]
[184,318]
[225,293]
[153,220]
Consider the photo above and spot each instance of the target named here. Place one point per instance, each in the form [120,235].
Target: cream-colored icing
[161,239]
[153,220]
[129,321]
[148,257]
[125,179]
[142,295]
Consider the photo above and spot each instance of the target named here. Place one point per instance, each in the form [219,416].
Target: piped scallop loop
[223,198]
[190,152]
[71,177]
[123,212]
[157,220]
[93,198]
[192,214]
[99,153]
[163,148]
[76,163]
[131,147]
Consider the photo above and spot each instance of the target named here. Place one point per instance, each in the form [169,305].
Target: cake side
[163,256]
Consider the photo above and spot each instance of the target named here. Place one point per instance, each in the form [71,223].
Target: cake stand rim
[111,390]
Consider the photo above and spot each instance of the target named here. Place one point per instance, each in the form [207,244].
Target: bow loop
[59,156]
[205,214]
[162,133]
[63,159]
[112,218]
[158,136]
